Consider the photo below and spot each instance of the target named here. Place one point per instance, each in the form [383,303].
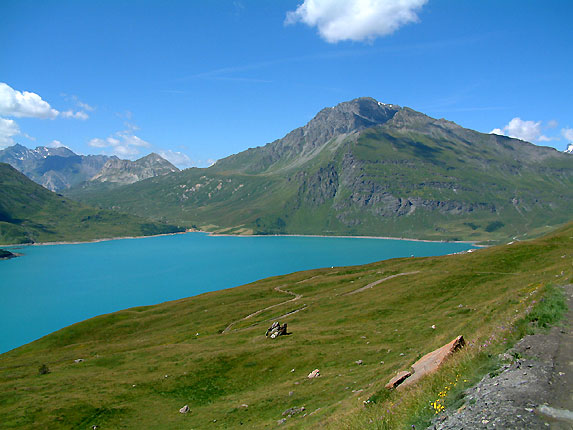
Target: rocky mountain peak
[350,116]
[124,172]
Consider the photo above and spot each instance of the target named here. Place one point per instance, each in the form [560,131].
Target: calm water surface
[53,286]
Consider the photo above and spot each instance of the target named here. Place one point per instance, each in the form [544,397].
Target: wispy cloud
[122,143]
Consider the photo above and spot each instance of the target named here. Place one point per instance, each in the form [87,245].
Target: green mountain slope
[366,168]
[30,213]
[141,365]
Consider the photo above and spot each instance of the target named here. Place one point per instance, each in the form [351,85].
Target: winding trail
[296,297]
[373,284]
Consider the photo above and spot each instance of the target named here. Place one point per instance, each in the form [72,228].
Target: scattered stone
[292,371]
[281,421]
[398,379]
[94,427]
[293,411]
[314,374]
[402,354]
[184,409]
[433,326]
[244,405]
[359,362]
[78,360]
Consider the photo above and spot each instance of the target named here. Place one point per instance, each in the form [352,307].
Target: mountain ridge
[367,168]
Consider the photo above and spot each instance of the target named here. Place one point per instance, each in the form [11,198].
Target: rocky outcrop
[5,255]
[426,365]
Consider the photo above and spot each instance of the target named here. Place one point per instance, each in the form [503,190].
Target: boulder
[314,374]
[184,409]
[430,362]
[276,329]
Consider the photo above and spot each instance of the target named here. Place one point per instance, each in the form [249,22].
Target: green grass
[143,364]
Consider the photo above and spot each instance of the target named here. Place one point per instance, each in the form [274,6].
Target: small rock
[78,360]
[290,393]
[293,411]
[402,354]
[359,362]
[314,374]
[184,409]
[433,326]
[484,421]
[292,371]
[244,405]
[281,421]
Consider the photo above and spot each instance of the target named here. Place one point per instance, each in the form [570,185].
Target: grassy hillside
[142,365]
[30,213]
[410,176]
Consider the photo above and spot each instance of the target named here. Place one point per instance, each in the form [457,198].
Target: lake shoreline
[244,235]
[105,239]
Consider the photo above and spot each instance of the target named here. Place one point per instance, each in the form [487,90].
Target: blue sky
[200,80]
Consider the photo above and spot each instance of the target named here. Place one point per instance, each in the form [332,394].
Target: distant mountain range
[367,168]
[60,168]
[30,213]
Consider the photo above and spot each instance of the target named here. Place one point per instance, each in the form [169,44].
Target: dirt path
[533,391]
[296,297]
[373,284]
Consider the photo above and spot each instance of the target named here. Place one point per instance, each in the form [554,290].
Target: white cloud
[56,144]
[23,104]
[8,129]
[177,158]
[77,115]
[524,130]
[567,133]
[122,143]
[356,20]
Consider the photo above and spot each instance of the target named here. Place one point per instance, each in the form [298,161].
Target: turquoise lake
[53,286]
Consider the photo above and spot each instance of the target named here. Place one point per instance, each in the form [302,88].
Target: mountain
[569,149]
[30,213]
[54,168]
[59,169]
[123,172]
[367,168]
